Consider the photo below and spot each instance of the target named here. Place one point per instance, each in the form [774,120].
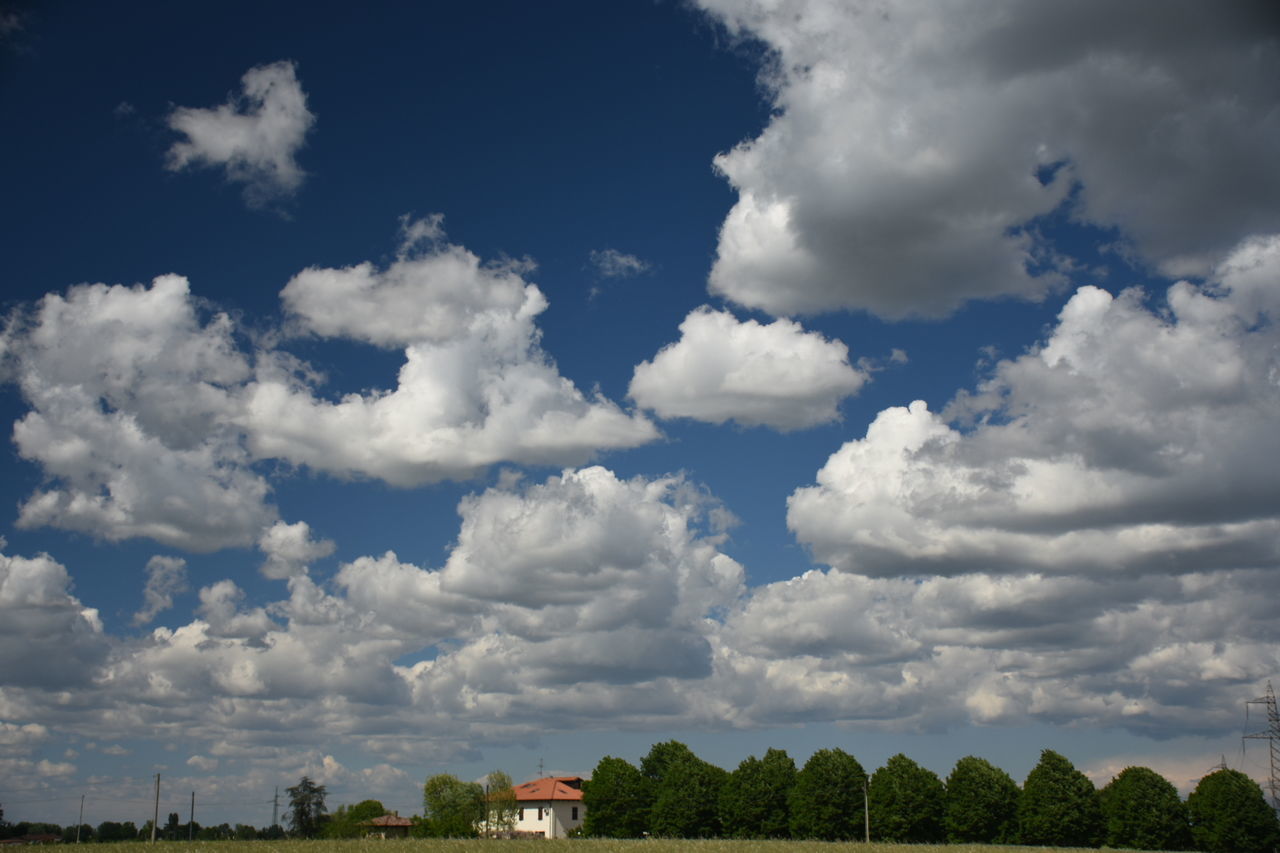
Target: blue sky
[445,389]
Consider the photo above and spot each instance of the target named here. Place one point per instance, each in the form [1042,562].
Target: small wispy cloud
[10,23]
[166,577]
[610,263]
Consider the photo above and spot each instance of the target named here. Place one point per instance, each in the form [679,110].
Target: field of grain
[435,845]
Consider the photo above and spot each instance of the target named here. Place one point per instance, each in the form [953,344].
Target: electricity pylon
[1272,735]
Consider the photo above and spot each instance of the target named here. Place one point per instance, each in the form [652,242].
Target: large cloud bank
[1111,588]
[914,146]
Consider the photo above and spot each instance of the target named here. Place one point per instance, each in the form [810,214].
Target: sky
[449,387]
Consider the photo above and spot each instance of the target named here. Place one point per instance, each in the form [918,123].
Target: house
[550,807]
[387,826]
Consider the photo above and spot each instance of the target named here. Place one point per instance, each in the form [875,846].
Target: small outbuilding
[387,826]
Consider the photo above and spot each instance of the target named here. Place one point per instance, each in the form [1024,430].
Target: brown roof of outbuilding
[557,788]
[389,820]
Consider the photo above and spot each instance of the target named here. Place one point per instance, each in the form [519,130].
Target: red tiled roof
[389,820]
[557,788]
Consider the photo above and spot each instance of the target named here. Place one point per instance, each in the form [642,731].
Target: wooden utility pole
[866,813]
[80,822]
[156,818]
[191,821]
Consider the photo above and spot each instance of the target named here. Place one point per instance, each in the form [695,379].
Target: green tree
[453,807]
[72,833]
[906,802]
[348,821]
[1229,813]
[306,807]
[661,756]
[981,804]
[23,827]
[245,832]
[753,802]
[110,830]
[686,798]
[501,806]
[221,832]
[617,799]
[1058,806]
[826,801]
[1142,810]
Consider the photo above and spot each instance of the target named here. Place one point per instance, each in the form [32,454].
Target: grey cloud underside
[906,166]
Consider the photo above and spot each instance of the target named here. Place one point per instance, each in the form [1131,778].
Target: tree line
[111,831]
[676,794]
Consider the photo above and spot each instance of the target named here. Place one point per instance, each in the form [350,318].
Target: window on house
[522,813]
[575,813]
[539,813]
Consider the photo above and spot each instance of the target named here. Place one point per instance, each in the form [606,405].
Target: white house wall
[557,818]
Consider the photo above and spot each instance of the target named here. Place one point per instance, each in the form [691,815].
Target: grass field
[435,845]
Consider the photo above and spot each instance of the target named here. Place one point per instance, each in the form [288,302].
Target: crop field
[437,845]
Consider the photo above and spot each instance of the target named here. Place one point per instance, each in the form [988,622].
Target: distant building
[550,807]
[388,826]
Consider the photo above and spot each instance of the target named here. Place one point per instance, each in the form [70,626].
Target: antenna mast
[1272,736]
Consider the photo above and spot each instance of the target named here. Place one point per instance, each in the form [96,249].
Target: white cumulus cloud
[1131,441]
[133,408]
[48,639]
[254,136]
[723,369]
[914,146]
[147,416]
[1157,655]
[290,549]
[434,292]
[581,597]
[21,738]
[476,387]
